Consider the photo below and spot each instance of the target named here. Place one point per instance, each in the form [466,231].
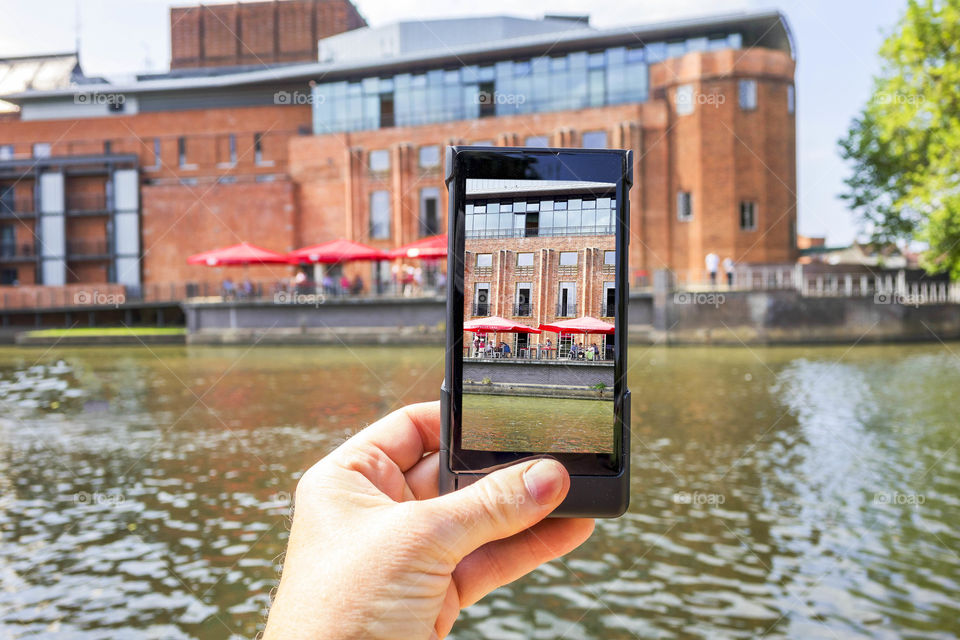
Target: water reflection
[790,492]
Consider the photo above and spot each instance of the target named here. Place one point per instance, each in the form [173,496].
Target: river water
[793,492]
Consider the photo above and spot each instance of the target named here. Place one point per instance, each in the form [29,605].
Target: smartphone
[536,335]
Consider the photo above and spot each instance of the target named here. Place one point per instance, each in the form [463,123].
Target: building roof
[37,73]
[486,187]
[419,37]
[766,29]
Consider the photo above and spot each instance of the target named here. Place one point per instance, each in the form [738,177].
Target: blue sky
[836,58]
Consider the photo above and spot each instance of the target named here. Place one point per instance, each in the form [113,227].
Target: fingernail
[544,480]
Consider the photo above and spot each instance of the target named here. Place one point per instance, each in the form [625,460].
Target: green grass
[108,331]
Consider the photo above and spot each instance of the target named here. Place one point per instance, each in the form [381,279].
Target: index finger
[405,435]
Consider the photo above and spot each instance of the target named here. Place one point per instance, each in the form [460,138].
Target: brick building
[539,251]
[287,155]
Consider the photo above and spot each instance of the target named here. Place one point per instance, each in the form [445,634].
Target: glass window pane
[589,204]
[559,205]
[546,205]
[589,221]
[573,203]
[533,206]
[568,258]
[493,207]
[573,221]
[560,221]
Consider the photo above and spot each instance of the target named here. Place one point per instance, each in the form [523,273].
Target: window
[684,206]
[41,149]
[8,276]
[182,151]
[6,152]
[791,99]
[610,258]
[536,141]
[684,99]
[379,160]
[748,94]
[568,258]
[429,218]
[258,148]
[484,260]
[522,307]
[748,216]
[157,157]
[524,259]
[429,156]
[594,140]
[233,148]
[486,96]
[481,299]
[380,215]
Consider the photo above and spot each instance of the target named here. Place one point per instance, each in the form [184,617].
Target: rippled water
[799,493]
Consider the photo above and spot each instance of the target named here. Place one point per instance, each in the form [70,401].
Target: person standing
[712,261]
[728,269]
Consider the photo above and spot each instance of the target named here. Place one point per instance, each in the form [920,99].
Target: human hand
[375,553]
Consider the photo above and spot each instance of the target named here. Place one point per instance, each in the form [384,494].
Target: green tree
[904,146]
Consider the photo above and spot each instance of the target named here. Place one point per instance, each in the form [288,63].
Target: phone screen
[540,291]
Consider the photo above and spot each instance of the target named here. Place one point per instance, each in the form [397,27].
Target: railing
[88,248]
[86,202]
[521,309]
[887,286]
[481,308]
[607,309]
[13,251]
[17,206]
[567,310]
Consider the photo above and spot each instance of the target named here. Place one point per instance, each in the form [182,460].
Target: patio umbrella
[431,247]
[238,254]
[496,324]
[583,324]
[341,250]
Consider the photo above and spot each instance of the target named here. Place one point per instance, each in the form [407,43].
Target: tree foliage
[904,146]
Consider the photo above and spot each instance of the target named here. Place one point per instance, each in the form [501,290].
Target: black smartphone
[536,330]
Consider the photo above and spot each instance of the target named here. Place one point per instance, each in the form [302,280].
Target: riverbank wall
[663,315]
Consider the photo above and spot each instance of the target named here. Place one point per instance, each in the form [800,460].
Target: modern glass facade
[576,80]
[538,217]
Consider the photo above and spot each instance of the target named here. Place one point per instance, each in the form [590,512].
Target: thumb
[499,505]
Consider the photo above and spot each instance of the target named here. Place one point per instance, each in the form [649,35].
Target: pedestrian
[476,346]
[712,261]
[357,287]
[228,288]
[728,269]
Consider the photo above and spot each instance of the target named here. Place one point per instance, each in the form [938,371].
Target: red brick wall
[252,33]
[180,221]
[720,153]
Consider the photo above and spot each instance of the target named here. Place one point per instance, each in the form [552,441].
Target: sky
[836,47]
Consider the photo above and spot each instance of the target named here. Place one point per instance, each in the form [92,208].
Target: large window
[524,259]
[594,140]
[533,85]
[429,156]
[429,211]
[568,258]
[6,152]
[380,215]
[379,160]
[531,217]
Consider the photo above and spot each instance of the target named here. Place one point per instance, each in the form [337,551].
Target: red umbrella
[341,250]
[583,324]
[431,247]
[496,324]
[242,253]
